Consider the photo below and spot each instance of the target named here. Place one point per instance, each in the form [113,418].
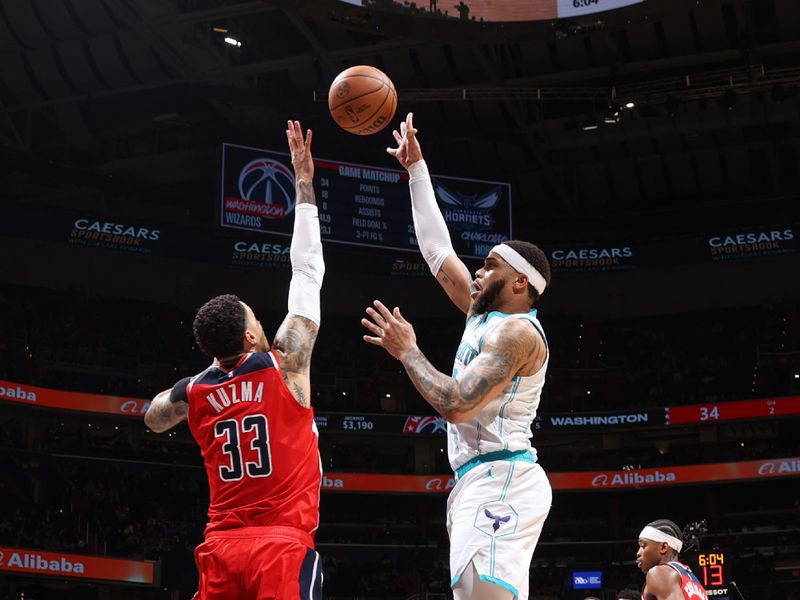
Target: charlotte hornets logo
[468,212]
[268,181]
[496,519]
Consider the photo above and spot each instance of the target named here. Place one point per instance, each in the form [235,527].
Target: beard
[487,297]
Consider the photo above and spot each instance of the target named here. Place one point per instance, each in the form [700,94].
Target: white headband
[651,533]
[515,259]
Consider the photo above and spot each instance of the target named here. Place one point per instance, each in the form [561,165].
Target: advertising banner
[474,226]
[69,566]
[743,410]
[99,403]
[578,480]
[731,245]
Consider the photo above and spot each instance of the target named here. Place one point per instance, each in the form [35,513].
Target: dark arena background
[652,148]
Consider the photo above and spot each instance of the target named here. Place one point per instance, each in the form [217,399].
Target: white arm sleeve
[429,224]
[308,267]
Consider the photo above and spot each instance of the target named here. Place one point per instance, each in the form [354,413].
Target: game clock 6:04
[711,569]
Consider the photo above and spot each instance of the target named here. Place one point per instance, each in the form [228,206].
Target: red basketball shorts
[258,563]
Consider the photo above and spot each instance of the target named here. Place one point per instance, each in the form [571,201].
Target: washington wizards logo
[468,212]
[497,520]
[425,425]
[268,181]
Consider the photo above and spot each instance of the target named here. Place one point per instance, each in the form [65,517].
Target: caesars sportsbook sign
[358,204]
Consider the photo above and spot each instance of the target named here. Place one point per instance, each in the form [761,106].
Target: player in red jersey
[250,412]
[660,542]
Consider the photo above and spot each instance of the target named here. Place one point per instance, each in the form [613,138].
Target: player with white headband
[660,543]
[498,506]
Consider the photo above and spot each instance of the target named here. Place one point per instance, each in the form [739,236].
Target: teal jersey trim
[501,583]
[518,455]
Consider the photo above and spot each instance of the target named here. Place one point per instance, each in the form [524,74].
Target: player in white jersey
[498,506]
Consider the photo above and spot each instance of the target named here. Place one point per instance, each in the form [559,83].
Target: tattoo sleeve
[163,414]
[305,192]
[295,341]
[448,396]
[493,368]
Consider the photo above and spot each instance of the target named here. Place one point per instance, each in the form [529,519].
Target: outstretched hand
[300,148]
[408,151]
[392,331]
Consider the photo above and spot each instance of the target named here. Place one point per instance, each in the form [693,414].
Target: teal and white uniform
[498,506]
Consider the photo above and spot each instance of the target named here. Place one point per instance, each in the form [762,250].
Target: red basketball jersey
[259,446]
[690,585]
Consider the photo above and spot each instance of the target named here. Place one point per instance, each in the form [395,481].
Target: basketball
[362,100]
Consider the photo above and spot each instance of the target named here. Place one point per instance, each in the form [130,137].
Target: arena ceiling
[102,100]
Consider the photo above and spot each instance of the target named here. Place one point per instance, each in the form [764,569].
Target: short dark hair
[219,326]
[538,259]
[629,594]
[668,527]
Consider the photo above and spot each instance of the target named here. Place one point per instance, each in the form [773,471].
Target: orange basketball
[362,100]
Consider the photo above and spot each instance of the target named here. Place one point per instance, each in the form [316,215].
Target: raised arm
[168,408]
[506,351]
[429,224]
[295,338]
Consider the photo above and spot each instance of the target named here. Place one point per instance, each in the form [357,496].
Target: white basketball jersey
[505,422]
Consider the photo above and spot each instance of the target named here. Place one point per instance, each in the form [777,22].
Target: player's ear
[250,338]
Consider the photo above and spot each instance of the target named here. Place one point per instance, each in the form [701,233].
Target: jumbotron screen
[499,10]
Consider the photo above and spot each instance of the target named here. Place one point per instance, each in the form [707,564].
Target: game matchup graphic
[358,205]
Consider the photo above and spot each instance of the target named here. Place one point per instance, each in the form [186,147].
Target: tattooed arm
[167,409]
[509,349]
[298,332]
[294,343]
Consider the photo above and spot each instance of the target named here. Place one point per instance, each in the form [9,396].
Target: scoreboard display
[712,568]
[358,204]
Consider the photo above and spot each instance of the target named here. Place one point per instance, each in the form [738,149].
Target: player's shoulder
[512,334]
[662,575]
[516,326]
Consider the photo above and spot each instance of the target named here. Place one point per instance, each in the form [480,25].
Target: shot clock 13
[712,569]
